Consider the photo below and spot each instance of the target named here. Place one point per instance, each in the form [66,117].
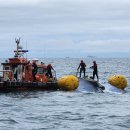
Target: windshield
[40,70]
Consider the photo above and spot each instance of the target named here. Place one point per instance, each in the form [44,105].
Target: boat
[17,74]
[90,85]
[95,83]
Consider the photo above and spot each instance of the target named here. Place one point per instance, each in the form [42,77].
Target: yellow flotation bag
[118,81]
[68,83]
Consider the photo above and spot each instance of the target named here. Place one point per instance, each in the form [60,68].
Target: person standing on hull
[82,67]
[95,70]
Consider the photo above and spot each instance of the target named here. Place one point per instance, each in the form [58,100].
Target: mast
[17,42]
[19,50]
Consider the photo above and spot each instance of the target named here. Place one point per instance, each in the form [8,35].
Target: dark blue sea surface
[75,110]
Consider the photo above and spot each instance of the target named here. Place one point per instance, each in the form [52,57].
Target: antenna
[17,42]
[44,51]
[19,50]
[26,49]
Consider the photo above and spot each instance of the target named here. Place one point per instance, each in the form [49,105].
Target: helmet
[81,60]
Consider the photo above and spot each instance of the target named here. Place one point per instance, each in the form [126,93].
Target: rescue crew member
[49,72]
[27,75]
[34,70]
[95,70]
[43,66]
[82,67]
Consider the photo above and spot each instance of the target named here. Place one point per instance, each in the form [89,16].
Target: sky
[66,28]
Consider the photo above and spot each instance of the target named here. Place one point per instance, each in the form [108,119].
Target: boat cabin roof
[16,61]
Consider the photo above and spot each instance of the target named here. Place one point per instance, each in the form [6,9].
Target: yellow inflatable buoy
[69,82]
[118,81]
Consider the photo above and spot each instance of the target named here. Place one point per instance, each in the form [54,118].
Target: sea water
[76,110]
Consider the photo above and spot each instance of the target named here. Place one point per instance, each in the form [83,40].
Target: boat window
[7,68]
[40,70]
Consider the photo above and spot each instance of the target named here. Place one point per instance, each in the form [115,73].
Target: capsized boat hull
[10,86]
[90,85]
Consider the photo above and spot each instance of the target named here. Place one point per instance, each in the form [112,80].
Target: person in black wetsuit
[49,68]
[82,67]
[95,70]
[34,70]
